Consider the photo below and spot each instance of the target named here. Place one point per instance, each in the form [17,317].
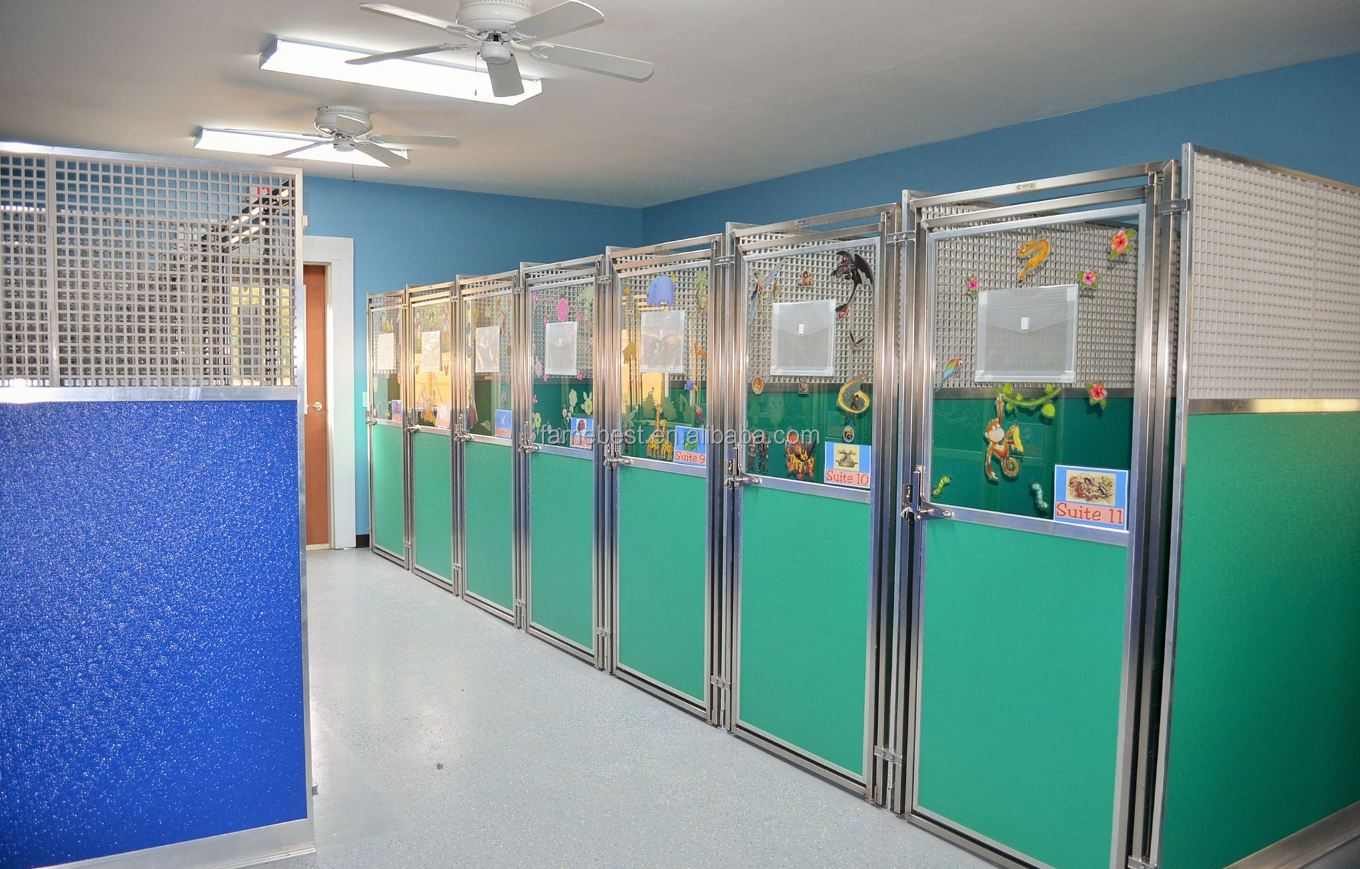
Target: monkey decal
[1000,442]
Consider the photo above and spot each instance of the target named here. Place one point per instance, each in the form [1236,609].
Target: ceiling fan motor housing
[493,15]
[327,119]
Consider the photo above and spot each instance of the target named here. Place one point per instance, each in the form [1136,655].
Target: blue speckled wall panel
[151,684]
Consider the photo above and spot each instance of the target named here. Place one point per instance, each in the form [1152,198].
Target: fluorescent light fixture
[408,74]
[264,144]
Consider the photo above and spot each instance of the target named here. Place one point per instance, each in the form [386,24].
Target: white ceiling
[744,89]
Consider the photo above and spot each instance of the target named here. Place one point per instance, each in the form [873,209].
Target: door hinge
[1135,863]
[889,756]
[602,632]
[1173,206]
[901,237]
[720,683]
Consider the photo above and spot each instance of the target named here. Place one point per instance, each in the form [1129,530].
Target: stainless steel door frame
[422,297]
[701,251]
[533,277]
[1147,191]
[394,301]
[470,290]
[879,225]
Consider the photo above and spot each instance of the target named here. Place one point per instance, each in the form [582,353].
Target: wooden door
[316,427]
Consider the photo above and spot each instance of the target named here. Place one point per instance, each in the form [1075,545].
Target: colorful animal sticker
[1037,251]
[949,368]
[1119,242]
[800,456]
[971,284]
[1097,394]
[701,290]
[769,283]
[851,398]
[563,309]
[805,279]
[848,433]
[1089,279]
[588,405]
[1036,491]
[661,291]
[757,385]
[1001,442]
[940,486]
[804,387]
[855,269]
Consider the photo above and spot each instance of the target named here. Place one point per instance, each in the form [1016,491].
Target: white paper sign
[430,357]
[559,356]
[386,352]
[488,355]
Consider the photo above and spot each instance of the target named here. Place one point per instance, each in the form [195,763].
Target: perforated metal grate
[25,349]
[807,275]
[1275,284]
[1106,315]
[693,295]
[147,274]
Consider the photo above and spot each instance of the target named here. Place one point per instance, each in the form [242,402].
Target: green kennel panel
[662,578]
[562,547]
[432,497]
[1022,645]
[1266,710]
[389,490]
[804,610]
[490,522]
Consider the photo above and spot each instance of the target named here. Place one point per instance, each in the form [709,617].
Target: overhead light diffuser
[408,74]
[264,144]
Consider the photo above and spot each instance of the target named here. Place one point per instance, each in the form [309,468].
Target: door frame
[593,271]
[337,254]
[424,297]
[1075,196]
[879,225]
[624,265]
[468,291]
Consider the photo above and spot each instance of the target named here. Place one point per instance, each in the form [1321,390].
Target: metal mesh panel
[1107,315]
[688,280]
[1275,288]
[806,276]
[146,273]
[545,307]
[24,262]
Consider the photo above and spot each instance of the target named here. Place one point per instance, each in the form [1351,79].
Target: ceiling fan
[348,128]
[494,27]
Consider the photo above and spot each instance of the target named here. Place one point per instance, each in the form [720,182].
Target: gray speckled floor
[546,761]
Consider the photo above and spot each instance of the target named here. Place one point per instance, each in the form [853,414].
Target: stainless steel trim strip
[1043,218]
[661,691]
[242,848]
[1208,406]
[54,394]
[1308,845]
[569,452]
[669,467]
[1137,170]
[990,847]
[1046,206]
[738,232]
[823,490]
[830,771]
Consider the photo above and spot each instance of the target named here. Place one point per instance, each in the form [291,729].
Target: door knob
[316,405]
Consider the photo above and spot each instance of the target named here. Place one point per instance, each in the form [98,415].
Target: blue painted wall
[418,235]
[151,685]
[1305,117]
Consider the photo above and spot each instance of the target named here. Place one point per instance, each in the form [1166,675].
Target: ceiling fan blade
[296,151]
[505,78]
[417,17]
[401,141]
[563,18]
[381,154]
[594,61]
[407,52]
